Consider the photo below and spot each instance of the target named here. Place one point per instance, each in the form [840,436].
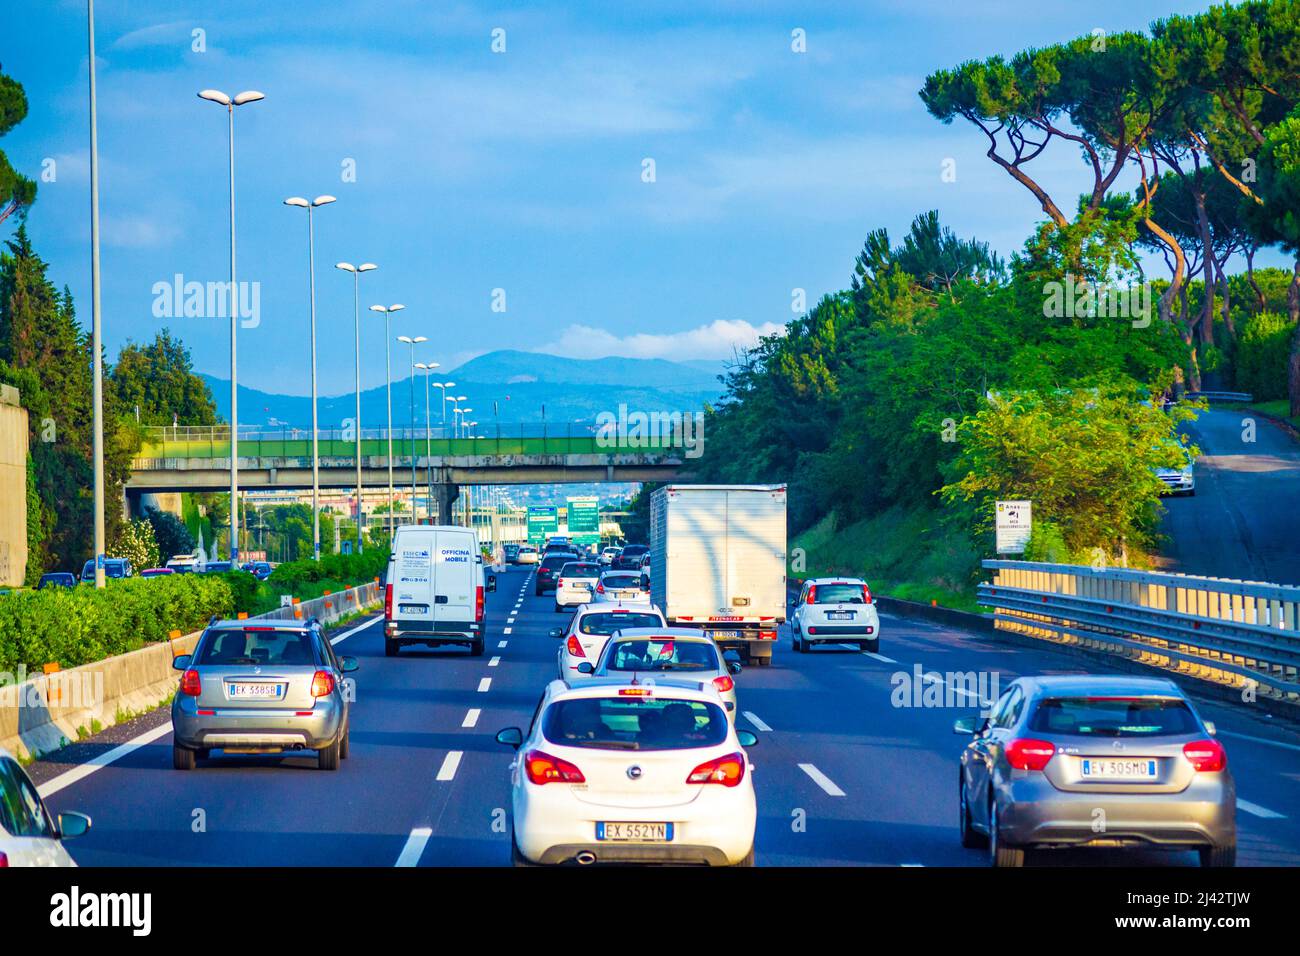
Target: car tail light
[559,582]
[812,594]
[4,861]
[574,648]
[543,768]
[478,603]
[866,594]
[191,683]
[1206,755]
[388,601]
[724,683]
[728,771]
[767,635]
[322,684]
[600,589]
[1025,753]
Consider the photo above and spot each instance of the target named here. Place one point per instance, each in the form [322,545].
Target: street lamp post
[356,335]
[444,386]
[388,311]
[315,430]
[428,368]
[412,342]
[96,331]
[222,99]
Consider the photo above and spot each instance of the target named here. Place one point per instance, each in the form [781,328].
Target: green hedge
[81,625]
[1262,350]
[347,569]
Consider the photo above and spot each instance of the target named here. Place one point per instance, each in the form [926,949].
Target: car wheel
[969,837]
[538,592]
[476,648]
[345,743]
[517,858]
[794,640]
[203,753]
[558,609]
[1000,855]
[390,647]
[1218,856]
[764,661]
[747,859]
[870,647]
[328,758]
[182,758]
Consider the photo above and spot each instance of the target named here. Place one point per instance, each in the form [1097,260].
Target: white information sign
[1014,523]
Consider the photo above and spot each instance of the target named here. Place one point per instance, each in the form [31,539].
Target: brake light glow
[866,594]
[1025,753]
[388,601]
[478,603]
[1206,756]
[573,647]
[4,861]
[543,768]
[191,684]
[559,582]
[600,588]
[635,692]
[322,684]
[728,771]
[767,635]
[812,594]
[724,683]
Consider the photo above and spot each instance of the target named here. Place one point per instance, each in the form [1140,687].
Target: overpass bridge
[183,458]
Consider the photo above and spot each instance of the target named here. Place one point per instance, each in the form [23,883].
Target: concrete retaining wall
[45,712]
[13,488]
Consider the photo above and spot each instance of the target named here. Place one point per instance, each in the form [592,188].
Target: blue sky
[519,170]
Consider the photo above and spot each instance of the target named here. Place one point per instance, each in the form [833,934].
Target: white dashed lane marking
[484,684]
[415,844]
[471,718]
[449,764]
[1255,810]
[823,781]
[753,719]
[494,662]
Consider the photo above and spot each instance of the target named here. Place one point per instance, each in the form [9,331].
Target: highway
[843,776]
[1242,522]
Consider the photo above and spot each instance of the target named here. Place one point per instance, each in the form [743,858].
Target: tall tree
[17,192]
[159,380]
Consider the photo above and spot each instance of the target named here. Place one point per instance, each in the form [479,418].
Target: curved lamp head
[297,201]
[366,267]
[248,96]
[345,266]
[323,200]
[214,96]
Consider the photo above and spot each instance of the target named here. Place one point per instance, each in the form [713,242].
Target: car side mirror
[491,582]
[967,725]
[348,664]
[1210,728]
[72,824]
[556,632]
[733,668]
[181,661]
[586,667]
[511,737]
[747,738]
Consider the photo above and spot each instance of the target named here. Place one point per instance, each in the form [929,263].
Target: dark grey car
[254,687]
[1093,761]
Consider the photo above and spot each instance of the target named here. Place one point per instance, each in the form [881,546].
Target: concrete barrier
[45,712]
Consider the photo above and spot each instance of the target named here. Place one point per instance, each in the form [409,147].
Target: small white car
[29,834]
[621,587]
[835,611]
[575,583]
[585,637]
[608,555]
[627,772]
[527,555]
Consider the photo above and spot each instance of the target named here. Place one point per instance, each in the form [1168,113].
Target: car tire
[328,757]
[869,647]
[538,592]
[390,647]
[795,644]
[476,647]
[345,743]
[559,609]
[764,661]
[1218,856]
[970,838]
[517,858]
[182,757]
[747,859]
[1000,855]
[203,753]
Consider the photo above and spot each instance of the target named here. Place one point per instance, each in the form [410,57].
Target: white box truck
[717,562]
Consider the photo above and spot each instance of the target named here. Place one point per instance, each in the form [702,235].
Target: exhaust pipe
[586,858]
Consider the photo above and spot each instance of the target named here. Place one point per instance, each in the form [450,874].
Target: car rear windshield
[839,594]
[607,624]
[553,561]
[663,654]
[621,581]
[633,550]
[241,646]
[576,570]
[634,723]
[1113,717]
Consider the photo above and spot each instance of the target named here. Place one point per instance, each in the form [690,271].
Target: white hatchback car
[627,772]
[575,583]
[608,555]
[29,834]
[585,637]
[835,611]
[621,587]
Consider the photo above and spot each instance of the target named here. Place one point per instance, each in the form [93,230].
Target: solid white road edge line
[69,777]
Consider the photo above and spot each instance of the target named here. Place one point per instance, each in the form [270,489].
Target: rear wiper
[614,744]
[242,660]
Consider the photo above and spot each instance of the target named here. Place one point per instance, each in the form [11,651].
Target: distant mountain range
[520,384]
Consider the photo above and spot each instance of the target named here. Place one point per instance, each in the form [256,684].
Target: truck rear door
[413,578]
[454,566]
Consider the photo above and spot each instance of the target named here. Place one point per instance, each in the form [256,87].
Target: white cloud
[718,339]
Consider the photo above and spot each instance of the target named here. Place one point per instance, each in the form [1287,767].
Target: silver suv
[254,687]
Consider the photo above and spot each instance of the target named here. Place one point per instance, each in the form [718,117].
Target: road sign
[1014,523]
[584,519]
[542,522]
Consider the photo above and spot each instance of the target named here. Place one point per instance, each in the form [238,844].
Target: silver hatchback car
[254,687]
[1092,761]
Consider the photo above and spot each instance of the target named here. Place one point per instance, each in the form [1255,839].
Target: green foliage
[17,192]
[80,625]
[170,532]
[159,380]
[135,541]
[1262,346]
[345,569]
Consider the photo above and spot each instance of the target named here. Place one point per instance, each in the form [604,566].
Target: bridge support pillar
[445,494]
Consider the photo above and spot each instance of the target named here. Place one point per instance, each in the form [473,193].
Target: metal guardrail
[1244,634]
[1223,396]
[330,607]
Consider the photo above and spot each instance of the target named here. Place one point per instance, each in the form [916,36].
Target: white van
[434,590]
